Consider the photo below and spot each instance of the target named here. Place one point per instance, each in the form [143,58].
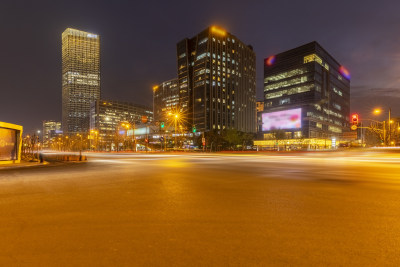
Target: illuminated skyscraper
[217,81]
[80,78]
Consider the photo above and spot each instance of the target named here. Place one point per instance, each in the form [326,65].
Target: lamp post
[176,118]
[378,111]
[93,136]
[128,126]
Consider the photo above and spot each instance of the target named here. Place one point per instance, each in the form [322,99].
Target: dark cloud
[363,91]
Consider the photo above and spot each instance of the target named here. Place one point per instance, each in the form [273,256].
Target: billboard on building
[286,119]
[8,144]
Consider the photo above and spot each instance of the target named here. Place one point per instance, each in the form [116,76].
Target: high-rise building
[307,94]
[165,99]
[259,110]
[260,106]
[50,129]
[217,81]
[80,78]
[106,117]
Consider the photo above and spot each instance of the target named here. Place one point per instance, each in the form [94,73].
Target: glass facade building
[50,130]
[106,117]
[308,84]
[165,99]
[217,81]
[80,78]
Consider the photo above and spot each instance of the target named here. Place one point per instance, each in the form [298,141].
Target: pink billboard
[287,119]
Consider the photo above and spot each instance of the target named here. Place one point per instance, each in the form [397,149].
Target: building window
[284,101]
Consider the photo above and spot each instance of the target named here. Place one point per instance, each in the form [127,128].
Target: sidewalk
[21,165]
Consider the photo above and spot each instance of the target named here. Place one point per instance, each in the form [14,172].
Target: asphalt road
[300,209]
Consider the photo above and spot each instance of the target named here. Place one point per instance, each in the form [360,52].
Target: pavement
[22,164]
[264,209]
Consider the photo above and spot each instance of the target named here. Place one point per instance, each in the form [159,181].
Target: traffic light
[194,128]
[354,119]
[354,122]
[162,124]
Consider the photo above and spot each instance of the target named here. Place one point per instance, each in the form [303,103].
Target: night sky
[138,46]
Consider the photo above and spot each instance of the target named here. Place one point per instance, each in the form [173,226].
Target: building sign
[287,119]
[8,144]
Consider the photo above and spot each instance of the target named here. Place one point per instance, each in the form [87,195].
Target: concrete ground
[298,209]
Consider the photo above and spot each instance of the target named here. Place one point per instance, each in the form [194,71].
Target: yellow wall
[310,141]
[18,128]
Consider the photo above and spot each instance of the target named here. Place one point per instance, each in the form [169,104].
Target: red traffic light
[354,119]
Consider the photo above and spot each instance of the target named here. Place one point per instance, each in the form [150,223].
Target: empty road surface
[293,209]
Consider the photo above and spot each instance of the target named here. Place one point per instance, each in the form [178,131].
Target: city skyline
[129,71]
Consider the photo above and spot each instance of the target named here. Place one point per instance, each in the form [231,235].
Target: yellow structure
[10,143]
[309,143]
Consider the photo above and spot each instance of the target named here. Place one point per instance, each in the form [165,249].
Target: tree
[232,138]
[246,139]
[214,139]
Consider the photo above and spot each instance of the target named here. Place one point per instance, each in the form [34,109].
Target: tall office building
[165,99]
[217,81]
[50,129]
[260,106]
[307,94]
[80,78]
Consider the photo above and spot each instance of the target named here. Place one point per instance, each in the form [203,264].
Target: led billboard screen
[287,119]
[8,141]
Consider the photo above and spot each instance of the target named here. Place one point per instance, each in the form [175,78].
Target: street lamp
[95,132]
[128,126]
[378,111]
[176,117]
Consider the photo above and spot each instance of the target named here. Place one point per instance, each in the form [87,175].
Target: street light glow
[377,111]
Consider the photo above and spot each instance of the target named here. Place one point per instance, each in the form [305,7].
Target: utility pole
[384,133]
[390,132]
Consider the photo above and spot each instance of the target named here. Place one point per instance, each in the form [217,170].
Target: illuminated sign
[142,131]
[8,147]
[218,31]
[90,35]
[270,61]
[344,72]
[287,119]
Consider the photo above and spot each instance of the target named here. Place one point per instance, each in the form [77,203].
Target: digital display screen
[287,119]
[8,147]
